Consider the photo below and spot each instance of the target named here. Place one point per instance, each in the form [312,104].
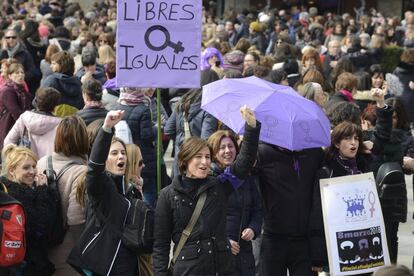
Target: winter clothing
[405,73]
[338,166]
[243,211]
[286,185]
[39,205]
[91,113]
[201,124]
[73,213]
[106,194]
[40,128]
[337,98]
[99,74]
[234,60]
[139,121]
[259,40]
[45,70]
[13,102]
[24,58]
[70,88]
[207,250]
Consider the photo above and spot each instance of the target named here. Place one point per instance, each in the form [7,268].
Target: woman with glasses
[13,99]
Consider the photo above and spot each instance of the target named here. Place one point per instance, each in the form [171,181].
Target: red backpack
[12,230]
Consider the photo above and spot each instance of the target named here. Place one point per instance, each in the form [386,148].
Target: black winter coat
[333,168]
[90,114]
[243,211]
[207,250]
[405,73]
[24,58]
[39,206]
[99,249]
[336,98]
[286,184]
[139,121]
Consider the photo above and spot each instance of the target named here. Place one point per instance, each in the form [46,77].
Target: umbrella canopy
[288,120]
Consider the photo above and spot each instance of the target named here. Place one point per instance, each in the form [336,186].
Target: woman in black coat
[207,250]
[244,212]
[99,250]
[405,73]
[347,155]
[23,182]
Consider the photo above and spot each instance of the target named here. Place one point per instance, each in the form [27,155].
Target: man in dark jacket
[12,48]
[90,68]
[286,184]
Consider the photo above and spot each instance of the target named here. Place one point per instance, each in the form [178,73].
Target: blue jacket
[201,124]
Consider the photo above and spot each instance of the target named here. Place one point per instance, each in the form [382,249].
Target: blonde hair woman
[23,181]
[106,54]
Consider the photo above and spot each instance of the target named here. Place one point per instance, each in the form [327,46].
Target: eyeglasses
[140,163]
[10,37]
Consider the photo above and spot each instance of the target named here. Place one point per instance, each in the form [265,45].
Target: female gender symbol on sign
[178,47]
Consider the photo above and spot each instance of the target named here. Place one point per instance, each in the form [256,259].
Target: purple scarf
[350,165]
[111,84]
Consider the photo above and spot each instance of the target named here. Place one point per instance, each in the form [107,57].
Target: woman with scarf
[137,115]
[244,212]
[345,88]
[348,154]
[13,100]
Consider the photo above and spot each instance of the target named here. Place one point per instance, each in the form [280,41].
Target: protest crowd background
[58,94]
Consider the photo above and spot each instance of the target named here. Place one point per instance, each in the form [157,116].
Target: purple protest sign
[158,43]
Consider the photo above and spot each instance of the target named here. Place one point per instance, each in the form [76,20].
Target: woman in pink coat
[39,125]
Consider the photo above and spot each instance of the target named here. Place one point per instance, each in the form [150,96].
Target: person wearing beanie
[257,37]
[234,61]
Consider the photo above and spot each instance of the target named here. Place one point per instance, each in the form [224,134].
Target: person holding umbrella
[206,250]
[293,131]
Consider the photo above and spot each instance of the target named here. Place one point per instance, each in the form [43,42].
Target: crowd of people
[231,205]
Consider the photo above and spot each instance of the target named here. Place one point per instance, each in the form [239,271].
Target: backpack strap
[52,178]
[189,228]
[3,188]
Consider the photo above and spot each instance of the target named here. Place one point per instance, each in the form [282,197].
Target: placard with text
[158,43]
[354,226]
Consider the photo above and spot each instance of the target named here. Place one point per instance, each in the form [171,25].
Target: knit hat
[234,60]
[256,26]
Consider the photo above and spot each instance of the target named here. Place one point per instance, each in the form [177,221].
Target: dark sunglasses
[140,163]
[10,37]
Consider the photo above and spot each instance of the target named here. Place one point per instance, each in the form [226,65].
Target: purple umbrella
[288,120]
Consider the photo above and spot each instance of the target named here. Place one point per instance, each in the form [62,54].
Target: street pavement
[405,233]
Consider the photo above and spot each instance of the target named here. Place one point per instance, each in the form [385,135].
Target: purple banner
[158,43]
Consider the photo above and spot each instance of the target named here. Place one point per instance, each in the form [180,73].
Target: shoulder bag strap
[187,131]
[189,228]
